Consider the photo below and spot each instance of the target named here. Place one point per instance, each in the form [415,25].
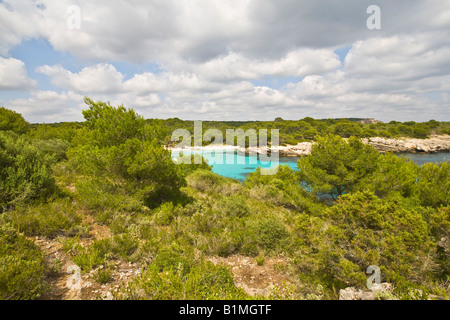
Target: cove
[243,164]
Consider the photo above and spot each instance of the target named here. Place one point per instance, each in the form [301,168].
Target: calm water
[233,164]
[421,158]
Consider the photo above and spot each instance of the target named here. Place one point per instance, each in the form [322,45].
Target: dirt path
[67,282]
[254,279]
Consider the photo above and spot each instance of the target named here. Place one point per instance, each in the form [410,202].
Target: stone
[349,293]
[368,295]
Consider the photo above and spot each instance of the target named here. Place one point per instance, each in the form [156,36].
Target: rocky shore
[433,144]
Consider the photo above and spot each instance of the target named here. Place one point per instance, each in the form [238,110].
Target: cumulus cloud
[50,106]
[200,31]
[215,57]
[13,75]
[100,78]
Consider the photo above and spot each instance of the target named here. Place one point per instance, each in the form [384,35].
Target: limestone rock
[351,293]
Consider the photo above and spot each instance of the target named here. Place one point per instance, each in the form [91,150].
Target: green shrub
[393,174]
[103,275]
[13,121]
[57,218]
[260,260]
[56,148]
[25,173]
[433,185]
[93,256]
[164,214]
[21,266]
[120,222]
[336,166]
[174,275]
[266,233]
[101,194]
[364,230]
[233,206]
[204,180]
[117,145]
[124,246]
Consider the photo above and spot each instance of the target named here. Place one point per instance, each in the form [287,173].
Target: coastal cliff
[433,144]
[439,143]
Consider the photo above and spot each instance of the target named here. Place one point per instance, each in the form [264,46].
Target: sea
[237,165]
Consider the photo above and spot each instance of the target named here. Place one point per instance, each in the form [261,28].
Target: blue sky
[235,60]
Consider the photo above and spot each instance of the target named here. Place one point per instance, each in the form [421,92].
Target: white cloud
[400,57]
[13,75]
[50,106]
[197,31]
[297,63]
[211,51]
[100,78]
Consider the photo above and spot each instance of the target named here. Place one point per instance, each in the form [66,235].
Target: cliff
[433,144]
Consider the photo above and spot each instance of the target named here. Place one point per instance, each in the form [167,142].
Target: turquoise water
[236,165]
[421,158]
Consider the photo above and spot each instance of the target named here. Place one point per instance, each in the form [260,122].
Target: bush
[205,180]
[164,215]
[25,172]
[264,233]
[393,174]
[364,230]
[99,253]
[174,275]
[57,218]
[103,275]
[118,145]
[21,266]
[124,246]
[13,121]
[56,148]
[101,194]
[433,185]
[336,166]
[233,206]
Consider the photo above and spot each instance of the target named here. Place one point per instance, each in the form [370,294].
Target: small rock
[349,293]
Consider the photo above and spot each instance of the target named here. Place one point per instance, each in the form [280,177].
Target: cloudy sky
[227,59]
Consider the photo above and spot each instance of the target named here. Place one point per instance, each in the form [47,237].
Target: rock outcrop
[378,291]
[301,149]
[433,144]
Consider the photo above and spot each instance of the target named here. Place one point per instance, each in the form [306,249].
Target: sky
[227,59]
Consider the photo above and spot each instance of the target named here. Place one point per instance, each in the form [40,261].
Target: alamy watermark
[374,20]
[74,281]
[257,141]
[74,17]
[375,277]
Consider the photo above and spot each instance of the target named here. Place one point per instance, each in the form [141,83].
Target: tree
[336,166]
[13,121]
[117,145]
[347,129]
[393,174]
[433,184]
[364,230]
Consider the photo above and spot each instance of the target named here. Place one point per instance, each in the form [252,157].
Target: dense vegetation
[307,129]
[171,219]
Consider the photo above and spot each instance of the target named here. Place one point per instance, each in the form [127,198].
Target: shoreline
[434,144]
